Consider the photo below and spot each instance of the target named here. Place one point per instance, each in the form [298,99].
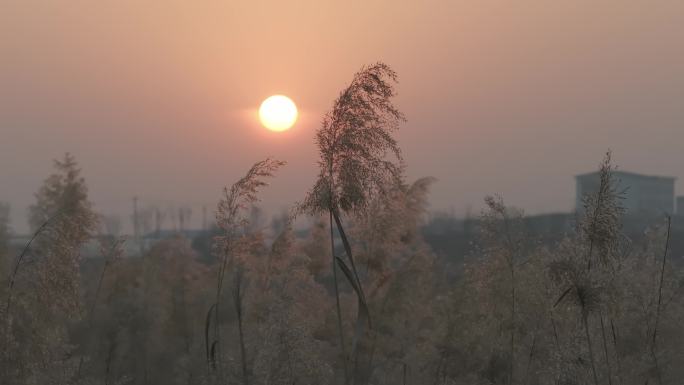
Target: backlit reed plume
[359,157]
[232,218]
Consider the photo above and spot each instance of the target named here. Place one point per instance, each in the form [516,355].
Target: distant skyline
[158,99]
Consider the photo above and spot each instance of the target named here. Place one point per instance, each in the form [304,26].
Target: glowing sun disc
[278,113]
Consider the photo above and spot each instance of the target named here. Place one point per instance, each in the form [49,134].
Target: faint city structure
[680,205]
[644,195]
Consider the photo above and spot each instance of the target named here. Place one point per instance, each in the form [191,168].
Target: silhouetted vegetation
[368,293]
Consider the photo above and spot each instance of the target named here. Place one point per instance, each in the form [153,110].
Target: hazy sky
[158,98]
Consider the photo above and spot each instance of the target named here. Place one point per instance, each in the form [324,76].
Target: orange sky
[158,98]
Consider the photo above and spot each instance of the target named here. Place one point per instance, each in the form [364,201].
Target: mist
[443,192]
[158,99]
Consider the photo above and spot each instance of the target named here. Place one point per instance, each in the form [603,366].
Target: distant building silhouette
[680,205]
[645,195]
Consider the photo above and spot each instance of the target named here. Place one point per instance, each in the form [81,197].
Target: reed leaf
[207,325]
[363,315]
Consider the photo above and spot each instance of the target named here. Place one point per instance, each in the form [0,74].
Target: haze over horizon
[159,99]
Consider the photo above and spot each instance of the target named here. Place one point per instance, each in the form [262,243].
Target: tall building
[644,194]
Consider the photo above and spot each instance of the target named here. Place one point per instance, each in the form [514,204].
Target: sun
[278,113]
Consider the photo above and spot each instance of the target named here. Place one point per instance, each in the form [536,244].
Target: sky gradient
[158,98]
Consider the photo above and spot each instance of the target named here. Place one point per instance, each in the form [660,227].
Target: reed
[232,218]
[354,143]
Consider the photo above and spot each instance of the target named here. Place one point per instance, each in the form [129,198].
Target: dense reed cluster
[356,296]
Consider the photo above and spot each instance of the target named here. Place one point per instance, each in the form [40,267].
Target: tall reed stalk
[599,231]
[232,219]
[354,142]
[659,303]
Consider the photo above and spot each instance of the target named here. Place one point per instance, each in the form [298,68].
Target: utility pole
[184,215]
[157,222]
[136,234]
[136,225]
[204,218]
